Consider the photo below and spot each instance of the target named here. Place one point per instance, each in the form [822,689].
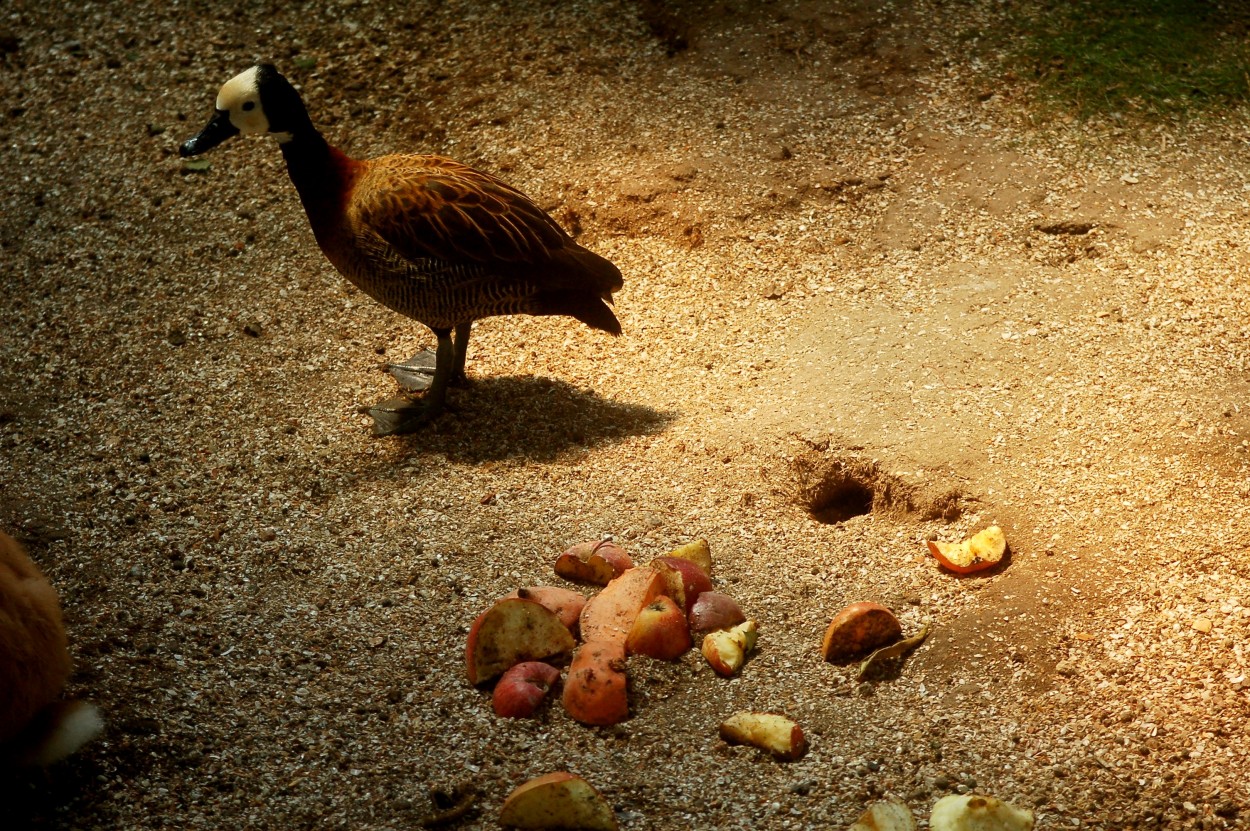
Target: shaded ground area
[847,237]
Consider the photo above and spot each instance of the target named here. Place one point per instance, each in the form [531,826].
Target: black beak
[214,133]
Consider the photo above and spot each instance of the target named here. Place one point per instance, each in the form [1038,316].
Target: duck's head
[257,100]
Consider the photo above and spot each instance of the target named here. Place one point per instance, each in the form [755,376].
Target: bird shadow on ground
[529,419]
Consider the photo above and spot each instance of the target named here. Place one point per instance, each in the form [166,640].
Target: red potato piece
[697,552]
[660,631]
[566,603]
[609,615]
[712,611]
[557,800]
[597,562]
[521,690]
[694,580]
[859,628]
[775,733]
[510,632]
[596,691]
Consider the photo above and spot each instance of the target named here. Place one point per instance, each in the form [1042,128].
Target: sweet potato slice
[595,690]
[512,631]
[609,615]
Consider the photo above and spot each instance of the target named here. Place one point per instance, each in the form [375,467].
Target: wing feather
[427,207]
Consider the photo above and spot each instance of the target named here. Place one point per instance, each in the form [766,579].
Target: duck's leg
[462,350]
[403,415]
[417,373]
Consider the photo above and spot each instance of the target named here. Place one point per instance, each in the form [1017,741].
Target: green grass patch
[1138,57]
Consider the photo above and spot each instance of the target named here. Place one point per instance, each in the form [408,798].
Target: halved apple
[522,689]
[859,628]
[660,631]
[974,812]
[597,562]
[775,733]
[697,552]
[983,550]
[712,611]
[726,650]
[566,603]
[511,631]
[557,800]
[691,579]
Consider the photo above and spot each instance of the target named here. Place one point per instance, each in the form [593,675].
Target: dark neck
[321,174]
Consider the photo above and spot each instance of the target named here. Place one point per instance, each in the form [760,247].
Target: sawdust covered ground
[844,242]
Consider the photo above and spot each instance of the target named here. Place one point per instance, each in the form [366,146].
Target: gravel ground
[842,239]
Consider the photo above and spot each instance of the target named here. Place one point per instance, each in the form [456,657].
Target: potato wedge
[610,614]
[511,631]
[859,628]
[557,800]
[596,688]
[775,733]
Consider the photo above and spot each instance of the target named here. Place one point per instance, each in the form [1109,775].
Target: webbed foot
[399,415]
[417,373]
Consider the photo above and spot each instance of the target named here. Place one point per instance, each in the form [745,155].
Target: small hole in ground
[835,488]
[851,500]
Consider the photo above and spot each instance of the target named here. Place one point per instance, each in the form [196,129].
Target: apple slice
[712,611]
[859,628]
[557,800]
[974,812]
[726,650]
[522,688]
[596,689]
[610,614]
[983,550]
[886,815]
[566,603]
[768,731]
[693,580]
[696,552]
[660,631]
[511,631]
[597,562]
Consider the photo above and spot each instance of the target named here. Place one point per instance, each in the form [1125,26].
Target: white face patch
[240,97]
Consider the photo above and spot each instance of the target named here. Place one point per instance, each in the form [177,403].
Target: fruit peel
[983,550]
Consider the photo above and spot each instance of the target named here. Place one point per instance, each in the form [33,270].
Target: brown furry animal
[36,728]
